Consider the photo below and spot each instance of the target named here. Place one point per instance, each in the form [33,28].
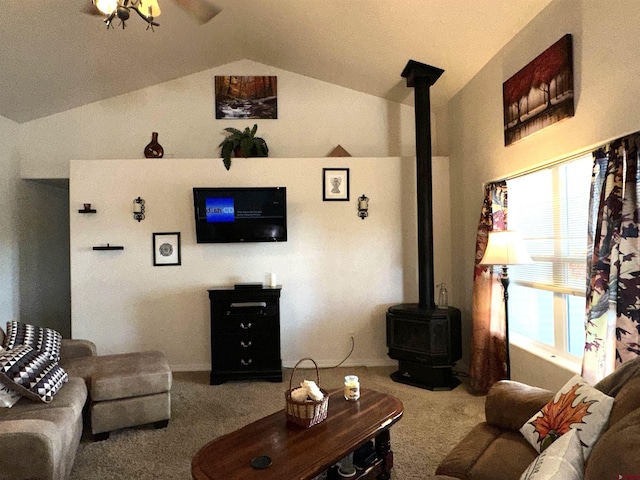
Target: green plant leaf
[251,145]
[248,146]
[261,147]
[227,148]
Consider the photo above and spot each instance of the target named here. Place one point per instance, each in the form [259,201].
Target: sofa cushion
[41,446]
[31,373]
[616,453]
[614,382]
[561,461]
[577,405]
[113,377]
[8,397]
[460,460]
[72,395]
[42,339]
[510,404]
[504,459]
[626,401]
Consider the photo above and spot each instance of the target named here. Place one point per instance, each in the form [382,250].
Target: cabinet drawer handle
[248,304]
[246,362]
[245,327]
[245,344]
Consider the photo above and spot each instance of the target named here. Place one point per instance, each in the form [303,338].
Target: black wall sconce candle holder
[138,209]
[363,206]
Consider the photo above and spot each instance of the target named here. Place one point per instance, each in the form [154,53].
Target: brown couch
[496,450]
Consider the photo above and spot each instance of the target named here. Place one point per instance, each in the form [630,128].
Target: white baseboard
[194,367]
[377,362]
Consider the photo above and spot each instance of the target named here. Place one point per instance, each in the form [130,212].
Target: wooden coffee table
[299,453]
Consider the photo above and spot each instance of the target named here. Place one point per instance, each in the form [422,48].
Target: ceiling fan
[148,10]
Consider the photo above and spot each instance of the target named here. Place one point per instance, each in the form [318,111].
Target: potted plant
[242,143]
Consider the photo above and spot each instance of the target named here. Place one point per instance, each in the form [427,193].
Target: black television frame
[241,230]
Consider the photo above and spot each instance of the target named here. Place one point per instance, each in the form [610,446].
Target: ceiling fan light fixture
[107,7]
[149,8]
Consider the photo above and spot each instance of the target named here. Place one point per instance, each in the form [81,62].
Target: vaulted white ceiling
[55,57]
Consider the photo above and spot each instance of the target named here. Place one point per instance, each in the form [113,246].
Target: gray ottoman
[126,390]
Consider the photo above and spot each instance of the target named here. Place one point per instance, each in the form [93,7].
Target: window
[547,298]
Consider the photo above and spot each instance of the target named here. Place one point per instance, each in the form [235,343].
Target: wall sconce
[363,206]
[138,209]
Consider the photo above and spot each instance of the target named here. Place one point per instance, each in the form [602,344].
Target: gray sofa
[38,441]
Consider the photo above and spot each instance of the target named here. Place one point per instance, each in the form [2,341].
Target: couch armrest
[461,459]
[510,404]
[77,348]
[29,449]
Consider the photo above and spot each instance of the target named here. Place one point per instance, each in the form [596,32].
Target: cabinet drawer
[246,341]
[229,309]
[240,324]
[251,352]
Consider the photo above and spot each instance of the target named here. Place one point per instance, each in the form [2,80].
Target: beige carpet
[432,424]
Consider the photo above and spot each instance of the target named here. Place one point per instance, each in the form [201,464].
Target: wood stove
[425,340]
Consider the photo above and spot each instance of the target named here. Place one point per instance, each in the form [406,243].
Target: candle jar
[351,388]
[347,469]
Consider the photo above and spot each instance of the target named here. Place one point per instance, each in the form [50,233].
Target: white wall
[339,273]
[9,166]
[607,104]
[313,117]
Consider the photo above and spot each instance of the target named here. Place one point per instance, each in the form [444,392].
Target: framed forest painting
[541,93]
[240,97]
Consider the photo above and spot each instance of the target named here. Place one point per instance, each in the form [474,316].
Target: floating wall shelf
[87,211]
[109,247]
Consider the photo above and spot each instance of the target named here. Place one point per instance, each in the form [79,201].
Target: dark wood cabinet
[245,334]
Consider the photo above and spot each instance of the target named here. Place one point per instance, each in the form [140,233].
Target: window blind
[550,207]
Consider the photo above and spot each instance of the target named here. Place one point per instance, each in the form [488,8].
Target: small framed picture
[166,249]
[335,184]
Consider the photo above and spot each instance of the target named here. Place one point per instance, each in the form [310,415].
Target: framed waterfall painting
[240,97]
[540,94]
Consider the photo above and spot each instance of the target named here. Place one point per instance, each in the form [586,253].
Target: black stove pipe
[421,77]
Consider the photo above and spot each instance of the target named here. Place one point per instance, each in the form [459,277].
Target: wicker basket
[310,412]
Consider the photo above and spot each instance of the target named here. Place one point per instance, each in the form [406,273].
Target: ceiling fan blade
[200,10]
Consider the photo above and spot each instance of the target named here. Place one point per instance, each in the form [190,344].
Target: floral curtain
[613,260]
[488,352]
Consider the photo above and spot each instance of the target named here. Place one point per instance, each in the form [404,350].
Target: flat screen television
[242,214]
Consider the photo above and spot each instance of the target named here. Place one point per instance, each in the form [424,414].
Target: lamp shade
[107,7]
[505,248]
[149,8]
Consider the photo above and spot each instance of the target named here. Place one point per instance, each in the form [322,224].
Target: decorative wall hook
[138,209]
[363,206]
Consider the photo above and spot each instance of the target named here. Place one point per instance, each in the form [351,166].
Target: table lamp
[505,248]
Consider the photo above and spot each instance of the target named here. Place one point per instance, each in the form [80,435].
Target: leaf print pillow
[577,406]
[562,460]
